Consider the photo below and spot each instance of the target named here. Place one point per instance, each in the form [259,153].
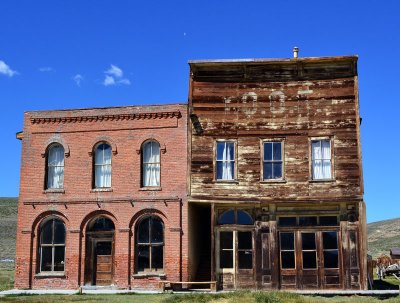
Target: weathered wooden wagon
[275,175]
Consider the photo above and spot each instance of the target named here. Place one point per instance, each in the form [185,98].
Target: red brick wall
[78,204]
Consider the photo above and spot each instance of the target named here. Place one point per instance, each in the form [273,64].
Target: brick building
[103,197]
[261,187]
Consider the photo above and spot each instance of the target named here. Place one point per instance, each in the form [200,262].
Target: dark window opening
[101,224]
[287,221]
[328,221]
[239,217]
[287,250]
[330,247]
[307,221]
[52,246]
[245,250]
[226,249]
[227,217]
[309,250]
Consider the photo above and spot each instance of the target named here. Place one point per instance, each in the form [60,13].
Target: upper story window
[151,164]
[225,160]
[55,167]
[273,160]
[321,159]
[52,246]
[102,166]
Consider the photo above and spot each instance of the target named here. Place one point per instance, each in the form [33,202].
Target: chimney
[295,52]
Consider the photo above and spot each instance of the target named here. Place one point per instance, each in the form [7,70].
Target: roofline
[271,60]
[104,107]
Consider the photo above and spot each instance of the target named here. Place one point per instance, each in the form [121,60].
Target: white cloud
[46,69]
[78,78]
[6,70]
[114,76]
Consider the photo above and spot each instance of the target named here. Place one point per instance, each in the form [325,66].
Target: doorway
[99,258]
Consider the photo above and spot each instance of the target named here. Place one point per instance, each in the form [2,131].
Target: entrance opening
[99,252]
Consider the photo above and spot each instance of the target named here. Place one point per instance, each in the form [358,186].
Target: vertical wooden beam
[213,272]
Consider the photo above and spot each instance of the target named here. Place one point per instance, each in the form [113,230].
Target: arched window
[151,164]
[102,166]
[150,245]
[55,167]
[52,246]
[238,216]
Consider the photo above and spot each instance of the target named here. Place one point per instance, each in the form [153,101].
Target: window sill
[273,181]
[145,275]
[151,188]
[49,274]
[54,191]
[227,181]
[105,189]
[322,180]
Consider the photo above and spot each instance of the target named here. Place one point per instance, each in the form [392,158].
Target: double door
[309,259]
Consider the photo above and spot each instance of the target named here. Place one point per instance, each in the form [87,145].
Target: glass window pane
[308,241]
[59,232]
[287,241]
[288,260]
[155,150]
[245,240]
[46,258]
[157,256]
[326,149]
[144,231]
[104,248]
[47,233]
[226,239]
[230,151]
[330,240]
[331,259]
[316,150]
[277,149]
[245,259]
[244,218]
[102,224]
[267,151]
[143,258]
[227,217]
[308,221]
[309,259]
[220,151]
[287,221]
[267,171]
[156,231]
[59,253]
[277,170]
[219,170]
[328,221]
[226,259]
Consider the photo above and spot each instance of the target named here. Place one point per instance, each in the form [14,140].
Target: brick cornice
[111,117]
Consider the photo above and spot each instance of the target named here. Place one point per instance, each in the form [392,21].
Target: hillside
[382,235]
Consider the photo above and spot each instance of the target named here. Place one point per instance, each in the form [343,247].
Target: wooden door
[103,263]
[244,269]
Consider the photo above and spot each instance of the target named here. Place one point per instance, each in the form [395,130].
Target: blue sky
[69,54]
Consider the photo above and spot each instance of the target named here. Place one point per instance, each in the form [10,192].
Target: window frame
[272,140]
[235,164]
[311,161]
[142,165]
[149,245]
[47,167]
[95,148]
[52,245]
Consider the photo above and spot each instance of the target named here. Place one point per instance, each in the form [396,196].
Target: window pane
[316,150]
[308,241]
[287,221]
[59,253]
[308,221]
[244,218]
[226,259]
[226,239]
[328,221]
[104,248]
[326,149]
[287,241]
[330,240]
[220,150]
[47,233]
[267,151]
[103,154]
[102,224]
[143,258]
[151,174]
[309,259]
[245,240]
[157,256]
[59,232]
[277,149]
[56,156]
[219,170]
[156,231]
[227,217]
[144,231]
[331,259]
[267,171]
[277,170]
[288,259]
[46,258]
[245,259]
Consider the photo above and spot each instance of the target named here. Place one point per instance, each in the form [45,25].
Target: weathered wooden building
[275,174]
